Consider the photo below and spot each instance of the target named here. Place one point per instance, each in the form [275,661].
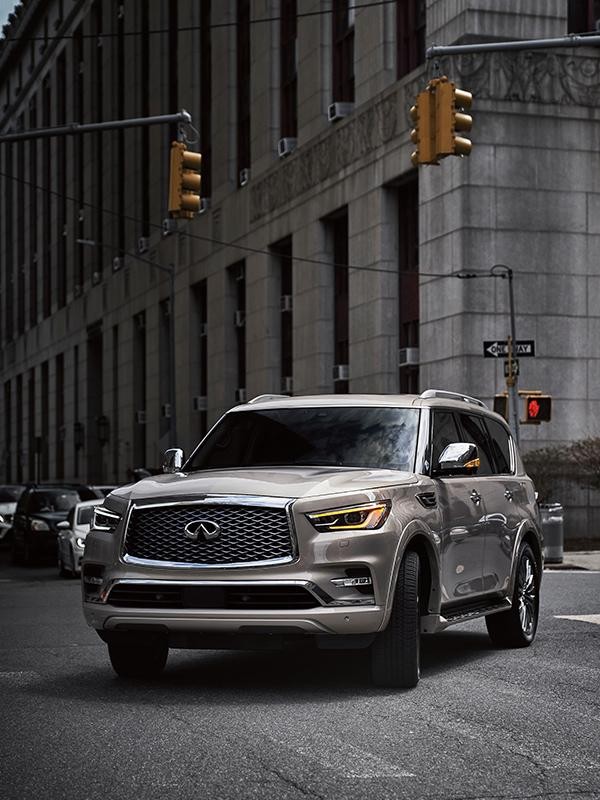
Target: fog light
[345,582]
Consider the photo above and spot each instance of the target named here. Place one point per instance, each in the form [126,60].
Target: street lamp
[171,272]
[505,273]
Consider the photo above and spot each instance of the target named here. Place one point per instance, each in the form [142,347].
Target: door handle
[508,494]
[475,497]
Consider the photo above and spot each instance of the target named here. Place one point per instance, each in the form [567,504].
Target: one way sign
[524,348]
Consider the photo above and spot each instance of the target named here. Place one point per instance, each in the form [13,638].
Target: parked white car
[71,537]
[9,496]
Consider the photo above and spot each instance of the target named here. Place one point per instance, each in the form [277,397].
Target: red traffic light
[538,408]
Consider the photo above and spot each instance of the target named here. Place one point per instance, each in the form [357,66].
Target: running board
[437,622]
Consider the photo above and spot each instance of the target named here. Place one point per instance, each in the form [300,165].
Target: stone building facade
[322,260]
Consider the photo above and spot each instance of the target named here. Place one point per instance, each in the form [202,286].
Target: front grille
[247,534]
[132,595]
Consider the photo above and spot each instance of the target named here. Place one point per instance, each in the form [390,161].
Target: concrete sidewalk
[581,559]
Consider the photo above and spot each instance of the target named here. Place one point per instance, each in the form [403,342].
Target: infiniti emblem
[205,528]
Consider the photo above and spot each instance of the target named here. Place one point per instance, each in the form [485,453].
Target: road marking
[593,618]
[346,759]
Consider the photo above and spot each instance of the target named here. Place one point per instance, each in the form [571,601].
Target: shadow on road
[261,677]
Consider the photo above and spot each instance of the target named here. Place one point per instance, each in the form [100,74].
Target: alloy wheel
[526,594]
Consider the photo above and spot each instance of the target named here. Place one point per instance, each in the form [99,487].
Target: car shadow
[274,677]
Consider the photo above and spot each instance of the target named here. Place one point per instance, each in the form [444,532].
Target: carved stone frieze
[559,78]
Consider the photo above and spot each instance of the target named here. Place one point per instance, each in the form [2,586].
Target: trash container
[552,529]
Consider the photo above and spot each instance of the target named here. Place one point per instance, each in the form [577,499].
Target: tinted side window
[474,431]
[445,432]
[500,445]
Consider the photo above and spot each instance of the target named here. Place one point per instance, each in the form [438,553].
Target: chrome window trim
[281,503]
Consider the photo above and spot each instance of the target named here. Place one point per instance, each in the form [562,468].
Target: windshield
[51,500]
[377,438]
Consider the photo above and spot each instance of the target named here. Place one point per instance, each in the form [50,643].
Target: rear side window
[474,431]
[500,445]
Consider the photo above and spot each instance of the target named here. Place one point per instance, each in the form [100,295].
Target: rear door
[461,532]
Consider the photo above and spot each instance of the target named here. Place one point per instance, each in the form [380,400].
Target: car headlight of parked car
[80,542]
[105,520]
[367,517]
[38,525]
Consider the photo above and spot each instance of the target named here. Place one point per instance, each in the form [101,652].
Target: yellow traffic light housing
[184,181]
[451,103]
[423,134]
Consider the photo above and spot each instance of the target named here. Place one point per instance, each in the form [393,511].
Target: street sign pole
[512,378]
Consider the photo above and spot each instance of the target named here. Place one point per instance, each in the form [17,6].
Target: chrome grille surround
[241,517]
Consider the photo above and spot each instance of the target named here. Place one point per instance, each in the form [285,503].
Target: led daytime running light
[105,520]
[375,514]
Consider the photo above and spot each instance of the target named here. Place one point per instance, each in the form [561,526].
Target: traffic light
[450,104]
[423,134]
[184,181]
[538,408]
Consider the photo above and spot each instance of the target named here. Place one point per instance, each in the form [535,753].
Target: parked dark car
[39,510]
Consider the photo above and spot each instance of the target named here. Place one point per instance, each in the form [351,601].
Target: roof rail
[442,393]
[264,398]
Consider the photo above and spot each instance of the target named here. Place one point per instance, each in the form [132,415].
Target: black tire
[517,626]
[395,653]
[138,660]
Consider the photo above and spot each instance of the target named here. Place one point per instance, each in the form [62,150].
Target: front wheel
[517,626]
[395,653]
[138,659]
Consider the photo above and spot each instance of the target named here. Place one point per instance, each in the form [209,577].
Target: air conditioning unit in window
[143,244]
[337,111]
[203,329]
[244,176]
[169,226]
[199,402]
[287,302]
[341,372]
[287,384]
[239,319]
[408,356]
[117,263]
[165,410]
[96,278]
[77,290]
[286,146]
[140,417]
[240,395]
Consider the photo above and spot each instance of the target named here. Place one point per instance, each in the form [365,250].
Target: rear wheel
[395,653]
[138,659]
[517,626]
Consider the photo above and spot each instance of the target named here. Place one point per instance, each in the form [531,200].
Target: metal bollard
[552,528]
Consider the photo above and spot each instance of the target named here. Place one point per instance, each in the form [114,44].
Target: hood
[266,481]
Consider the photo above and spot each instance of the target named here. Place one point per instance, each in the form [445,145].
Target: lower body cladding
[211,614]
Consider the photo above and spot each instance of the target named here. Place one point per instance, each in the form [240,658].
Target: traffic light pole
[75,128]
[504,272]
[571,40]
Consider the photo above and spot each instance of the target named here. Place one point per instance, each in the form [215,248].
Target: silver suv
[345,521]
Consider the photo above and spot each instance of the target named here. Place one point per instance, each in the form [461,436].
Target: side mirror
[173,460]
[63,525]
[458,458]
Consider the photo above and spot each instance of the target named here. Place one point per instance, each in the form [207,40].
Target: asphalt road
[483,723]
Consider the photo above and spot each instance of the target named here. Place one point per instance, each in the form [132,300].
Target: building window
[583,16]
[78,158]
[19,429]
[243,85]
[59,411]
[97,92]
[144,133]
[119,94]
[206,97]
[95,392]
[46,202]
[199,378]
[33,219]
[9,150]
[283,251]
[410,35]
[337,234]
[408,286]
[21,233]
[116,466]
[8,432]
[237,274]
[342,41]
[288,67]
[61,183]
[139,390]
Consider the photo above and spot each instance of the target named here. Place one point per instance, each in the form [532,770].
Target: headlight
[38,525]
[2,520]
[367,517]
[105,520]
[80,542]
